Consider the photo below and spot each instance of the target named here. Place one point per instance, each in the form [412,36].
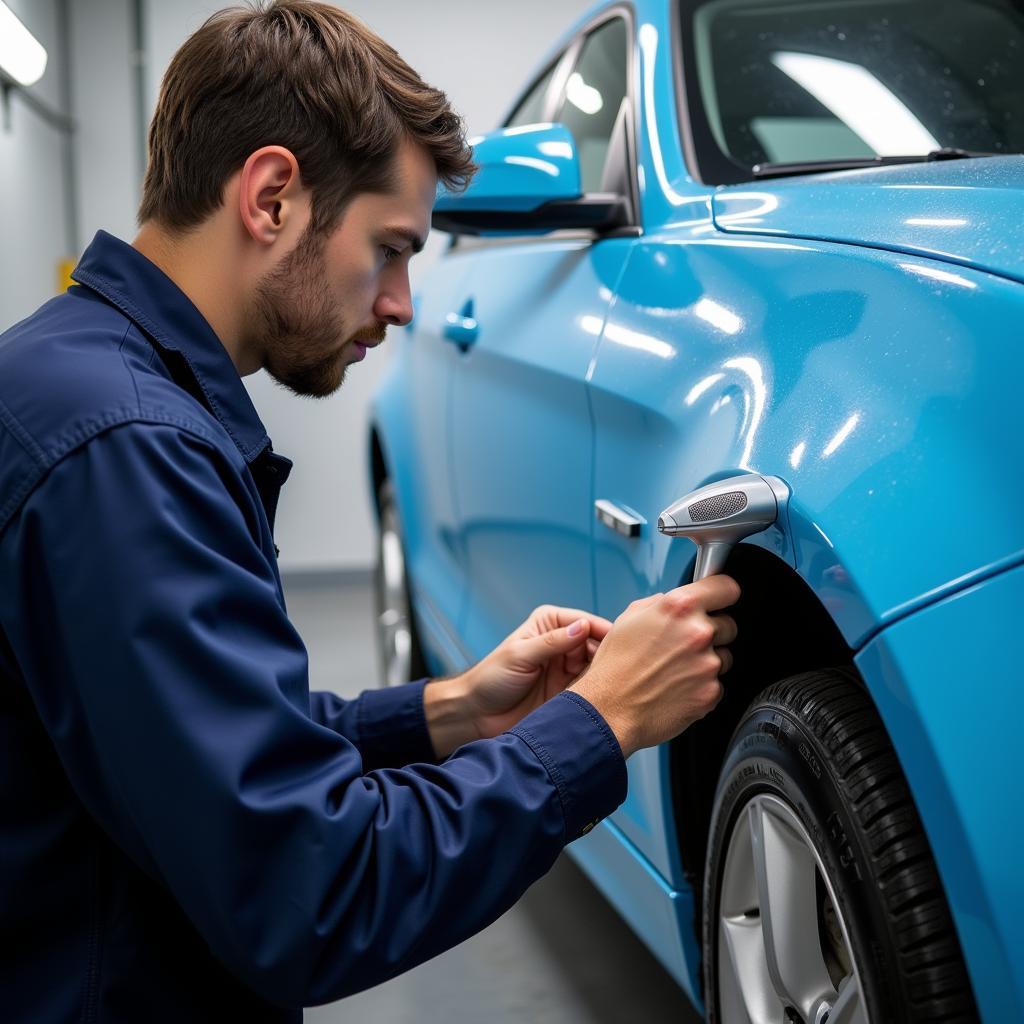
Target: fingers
[726,629]
[711,593]
[538,650]
[580,658]
[725,656]
[549,617]
[643,602]
[575,662]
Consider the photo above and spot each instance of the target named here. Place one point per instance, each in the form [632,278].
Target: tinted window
[531,110]
[593,95]
[813,80]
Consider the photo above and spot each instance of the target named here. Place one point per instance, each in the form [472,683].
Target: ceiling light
[22,56]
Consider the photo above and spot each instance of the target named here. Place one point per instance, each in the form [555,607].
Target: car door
[422,464]
[521,425]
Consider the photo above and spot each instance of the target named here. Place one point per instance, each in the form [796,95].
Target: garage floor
[560,956]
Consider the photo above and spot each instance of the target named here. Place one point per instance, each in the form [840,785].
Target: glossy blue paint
[948,685]
[520,429]
[954,211]
[520,169]
[656,912]
[848,373]
[410,413]
[846,333]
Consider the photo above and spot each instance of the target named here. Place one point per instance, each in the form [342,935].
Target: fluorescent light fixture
[22,56]
[860,101]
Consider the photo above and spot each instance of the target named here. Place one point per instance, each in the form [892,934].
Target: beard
[300,329]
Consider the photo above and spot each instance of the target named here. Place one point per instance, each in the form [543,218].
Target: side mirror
[528,183]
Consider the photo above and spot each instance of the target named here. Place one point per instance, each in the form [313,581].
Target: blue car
[774,239]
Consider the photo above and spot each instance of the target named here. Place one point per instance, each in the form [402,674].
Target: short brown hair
[298,74]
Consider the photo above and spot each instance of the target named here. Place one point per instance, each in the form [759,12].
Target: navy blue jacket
[186,832]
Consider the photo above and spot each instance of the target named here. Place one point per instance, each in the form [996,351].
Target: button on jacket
[186,832]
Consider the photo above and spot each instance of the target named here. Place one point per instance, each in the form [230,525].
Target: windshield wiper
[852,163]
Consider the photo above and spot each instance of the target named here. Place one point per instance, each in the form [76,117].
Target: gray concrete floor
[562,955]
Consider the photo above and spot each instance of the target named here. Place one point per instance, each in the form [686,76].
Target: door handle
[461,328]
[619,518]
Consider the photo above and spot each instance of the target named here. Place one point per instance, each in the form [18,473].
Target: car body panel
[523,485]
[959,211]
[661,916]
[804,331]
[947,681]
[846,372]
[411,409]
[705,387]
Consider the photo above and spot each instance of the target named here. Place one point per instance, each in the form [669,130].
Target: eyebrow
[410,236]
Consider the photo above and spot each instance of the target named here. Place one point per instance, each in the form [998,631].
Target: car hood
[967,212]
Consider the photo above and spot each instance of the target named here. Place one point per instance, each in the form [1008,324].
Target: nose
[394,303]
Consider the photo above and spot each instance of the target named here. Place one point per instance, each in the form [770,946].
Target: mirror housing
[528,183]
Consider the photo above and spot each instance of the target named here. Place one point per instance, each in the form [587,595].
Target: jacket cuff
[393,728]
[582,758]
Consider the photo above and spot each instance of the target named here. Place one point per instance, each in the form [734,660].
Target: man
[188,834]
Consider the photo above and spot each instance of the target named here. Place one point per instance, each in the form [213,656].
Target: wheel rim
[393,620]
[784,950]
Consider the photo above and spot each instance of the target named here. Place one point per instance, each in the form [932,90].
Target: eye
[390,254]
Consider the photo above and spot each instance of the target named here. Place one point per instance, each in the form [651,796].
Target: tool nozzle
[717,517]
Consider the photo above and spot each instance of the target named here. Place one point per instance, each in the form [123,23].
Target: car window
[806,80]
[593,95]
[533,106]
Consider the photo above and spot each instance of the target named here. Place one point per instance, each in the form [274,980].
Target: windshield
[774,82]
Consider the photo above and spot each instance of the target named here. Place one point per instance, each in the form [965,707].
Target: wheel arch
[378,466]
[777,608]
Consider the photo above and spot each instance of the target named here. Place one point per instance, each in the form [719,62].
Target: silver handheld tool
[719,516]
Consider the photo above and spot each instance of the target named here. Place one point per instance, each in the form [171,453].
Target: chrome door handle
[619,518]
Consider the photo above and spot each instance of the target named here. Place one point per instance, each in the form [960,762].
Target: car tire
[821,897]
[398,648]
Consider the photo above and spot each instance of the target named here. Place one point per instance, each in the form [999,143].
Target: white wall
[33,211]
[108,166]
[480,53]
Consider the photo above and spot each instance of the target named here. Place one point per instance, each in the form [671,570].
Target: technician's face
[333,296]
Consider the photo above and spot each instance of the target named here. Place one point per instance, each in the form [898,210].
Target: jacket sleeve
[388,725]
[151,633]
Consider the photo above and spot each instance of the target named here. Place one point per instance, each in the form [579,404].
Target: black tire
[811,760]
[392,599]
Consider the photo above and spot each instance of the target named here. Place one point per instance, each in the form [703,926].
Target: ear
[270,193]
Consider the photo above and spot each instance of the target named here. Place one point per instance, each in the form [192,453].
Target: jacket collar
[146,295]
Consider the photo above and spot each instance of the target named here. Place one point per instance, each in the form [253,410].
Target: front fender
[882,388]
[947,681]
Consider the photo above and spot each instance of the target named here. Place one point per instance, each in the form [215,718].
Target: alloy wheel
[393,625]
[783,946]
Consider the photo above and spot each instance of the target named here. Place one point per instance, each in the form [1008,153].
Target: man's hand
[658,670]
[534,663]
